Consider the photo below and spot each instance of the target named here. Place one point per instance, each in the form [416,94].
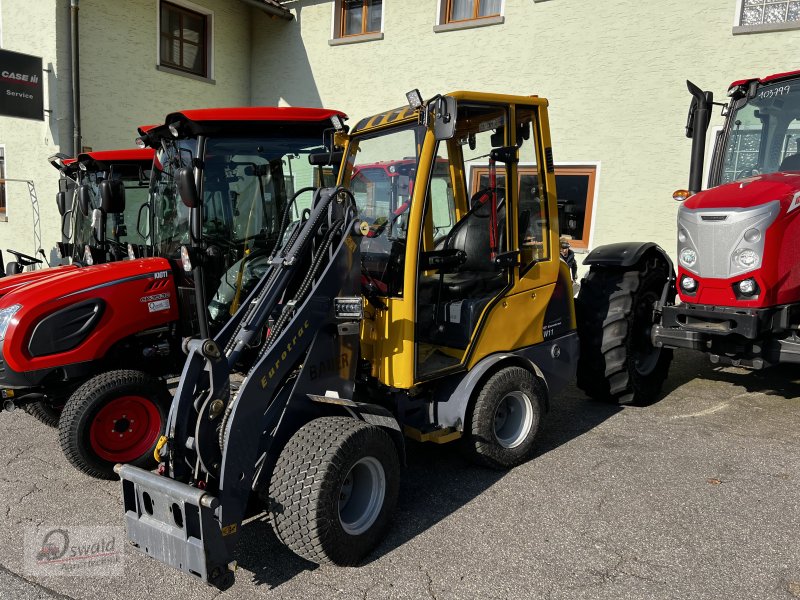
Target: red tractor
[738,276]
[103,339]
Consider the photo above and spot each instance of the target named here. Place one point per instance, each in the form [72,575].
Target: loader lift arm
[220,443]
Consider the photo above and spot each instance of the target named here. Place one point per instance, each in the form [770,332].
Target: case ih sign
[21,90]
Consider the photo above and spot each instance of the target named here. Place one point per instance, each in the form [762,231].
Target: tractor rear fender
[625,254]
[453,401]
[630,254]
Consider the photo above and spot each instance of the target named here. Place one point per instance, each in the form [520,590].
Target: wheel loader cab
[461,260]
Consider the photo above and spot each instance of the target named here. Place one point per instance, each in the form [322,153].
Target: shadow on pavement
[781,380]
[437,481]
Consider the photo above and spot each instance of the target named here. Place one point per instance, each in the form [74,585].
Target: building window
[184,39]
[466,10]
[2,183]
[359,17]
[753,16]
[575,185]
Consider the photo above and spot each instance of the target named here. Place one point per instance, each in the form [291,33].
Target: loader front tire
[333,490]
[115,417]
[505,419]
[618,361]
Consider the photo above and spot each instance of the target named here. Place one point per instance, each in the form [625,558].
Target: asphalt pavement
[693,497]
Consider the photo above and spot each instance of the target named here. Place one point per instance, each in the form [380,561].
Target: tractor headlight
[747,259]
[88,259]
[5,318]
[748,287]
[688,257]
[186,259]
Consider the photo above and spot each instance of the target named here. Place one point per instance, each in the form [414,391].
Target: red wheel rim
[125,429]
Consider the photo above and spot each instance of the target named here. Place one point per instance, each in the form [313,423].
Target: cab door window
[457,277]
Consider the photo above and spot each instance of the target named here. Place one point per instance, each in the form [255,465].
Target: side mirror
[112,195]
[321,159]
[186,187]
[444,127]
[84,199]
[61,202]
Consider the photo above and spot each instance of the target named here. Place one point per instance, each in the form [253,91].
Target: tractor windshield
[383,168]
[762,134]
[245,185]
[121,228]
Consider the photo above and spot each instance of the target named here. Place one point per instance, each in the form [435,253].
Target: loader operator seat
[790,163]
[478,275]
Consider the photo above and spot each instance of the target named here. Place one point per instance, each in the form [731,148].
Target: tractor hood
[13,282]
[66,281]
[751,192]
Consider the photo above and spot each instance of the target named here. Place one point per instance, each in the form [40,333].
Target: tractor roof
[102,159]
[765,80]
[252,120]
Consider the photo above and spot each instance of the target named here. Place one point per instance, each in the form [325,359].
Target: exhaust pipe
[696,128]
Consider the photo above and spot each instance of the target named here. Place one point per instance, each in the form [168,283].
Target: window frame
[590,168]
[739,29]
[338,37]
[207,45]
[444,23]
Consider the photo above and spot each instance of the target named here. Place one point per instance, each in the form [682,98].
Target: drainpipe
[76,80]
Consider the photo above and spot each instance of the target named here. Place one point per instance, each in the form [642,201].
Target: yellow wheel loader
[415,299]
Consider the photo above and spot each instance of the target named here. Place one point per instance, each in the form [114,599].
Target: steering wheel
[24,259]
[747,173]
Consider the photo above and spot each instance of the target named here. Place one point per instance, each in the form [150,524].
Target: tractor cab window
[122,228]
[458,277]
[247,183]
[763,134]
[383,172]
[171,216]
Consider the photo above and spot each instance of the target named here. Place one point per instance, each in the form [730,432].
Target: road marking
[703,413]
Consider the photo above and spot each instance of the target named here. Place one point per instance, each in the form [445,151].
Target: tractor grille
[716,235]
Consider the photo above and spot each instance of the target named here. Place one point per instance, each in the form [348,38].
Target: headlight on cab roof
[5,318]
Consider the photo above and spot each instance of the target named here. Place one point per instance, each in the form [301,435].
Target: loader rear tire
[115,417]
[618,362]
[505,419]
[333,490]
[46,412]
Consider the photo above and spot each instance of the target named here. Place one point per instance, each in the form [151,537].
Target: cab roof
[765,80]
[252,120]
[102,159]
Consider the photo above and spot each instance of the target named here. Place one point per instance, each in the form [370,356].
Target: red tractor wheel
[115,417]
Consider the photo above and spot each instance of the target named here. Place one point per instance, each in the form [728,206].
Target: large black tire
[505,418]
[97,428]
[327,476]
[618,362]
[45,411]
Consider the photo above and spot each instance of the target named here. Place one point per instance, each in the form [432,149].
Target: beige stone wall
[120,85]
[35,28]
[613,70]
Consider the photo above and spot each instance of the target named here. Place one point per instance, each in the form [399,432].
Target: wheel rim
[645,355]
[125,429]
[361,495]
[513,419]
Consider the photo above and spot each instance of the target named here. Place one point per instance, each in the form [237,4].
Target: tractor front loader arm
[294,338]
